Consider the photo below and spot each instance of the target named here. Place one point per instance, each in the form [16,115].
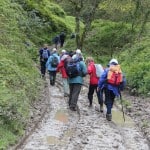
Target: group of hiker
[59,39]
[106,82]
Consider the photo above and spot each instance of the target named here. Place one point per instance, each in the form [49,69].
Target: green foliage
[137,69]
[22,25]
[106,38]
[145,124]
[19,78]
[45,21]
[115,10]
[6,137]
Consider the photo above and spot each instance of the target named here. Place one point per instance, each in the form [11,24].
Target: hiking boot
[108,117]
[101,109]
[42,75]
[73,108]
[66,95]
[90,105]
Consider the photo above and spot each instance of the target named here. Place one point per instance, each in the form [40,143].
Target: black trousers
[52,76]
[75,89]
[109,99]
[92,88]
[43,67]
[62,43]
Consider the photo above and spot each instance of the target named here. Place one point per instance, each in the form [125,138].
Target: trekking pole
[122,106]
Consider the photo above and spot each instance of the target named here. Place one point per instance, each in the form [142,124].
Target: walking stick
[122,106]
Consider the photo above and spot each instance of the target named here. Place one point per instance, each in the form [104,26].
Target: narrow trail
[86,129]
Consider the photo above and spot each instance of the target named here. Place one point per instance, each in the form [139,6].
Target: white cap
[113,61]
[54,50]
[63,51]
[78,51]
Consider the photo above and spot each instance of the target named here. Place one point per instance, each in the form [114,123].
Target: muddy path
[86,129]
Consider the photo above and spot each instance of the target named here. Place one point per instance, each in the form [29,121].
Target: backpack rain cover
[115,76]
[73,68]
[54,62]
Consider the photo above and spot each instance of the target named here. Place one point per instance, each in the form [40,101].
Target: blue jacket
[48,63]
[102,83]
[79,79]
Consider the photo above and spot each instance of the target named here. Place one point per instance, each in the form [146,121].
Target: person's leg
[75,94]
[51,77]
[109,99]
[100,98]
[70,94]
[54,77]
[56,45]
[65,86]
[90,94]
[62,43]
[43,68]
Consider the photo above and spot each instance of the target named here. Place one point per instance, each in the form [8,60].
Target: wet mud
[85,129]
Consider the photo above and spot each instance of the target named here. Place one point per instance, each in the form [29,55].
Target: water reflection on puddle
[69,133]
[53,140]
[61,115]
[117,117]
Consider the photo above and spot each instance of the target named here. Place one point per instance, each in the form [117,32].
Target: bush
[135,61]
[107,38]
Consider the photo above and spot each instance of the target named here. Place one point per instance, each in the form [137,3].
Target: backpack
[99,70]
[45,54]
[54,62]
[115,76]
[72,68]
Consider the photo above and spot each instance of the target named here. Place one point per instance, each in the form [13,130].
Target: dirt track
[86,129]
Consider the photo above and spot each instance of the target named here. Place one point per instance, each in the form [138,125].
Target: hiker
[62,37]
[70,53]
[44,53]
[56,41]
[62,70]
[111,81]
[63,52]
[91,69]
[52,64]
[76,70]
[78,54]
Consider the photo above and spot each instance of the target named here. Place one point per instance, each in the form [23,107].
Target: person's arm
[48,62]
[40,53]
[49,53]
[60,66]
[89,69]
[84,69]
[102,79]
[123,84]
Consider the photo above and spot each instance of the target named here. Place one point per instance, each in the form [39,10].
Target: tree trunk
[77,29]
[88,22]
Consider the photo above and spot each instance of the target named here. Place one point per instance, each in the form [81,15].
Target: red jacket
[92,72]
[61,68]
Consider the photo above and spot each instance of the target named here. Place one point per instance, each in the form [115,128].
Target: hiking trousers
[65,86]
[92,88]
[75,89]
[109,99]
[43,67]
[52,76]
